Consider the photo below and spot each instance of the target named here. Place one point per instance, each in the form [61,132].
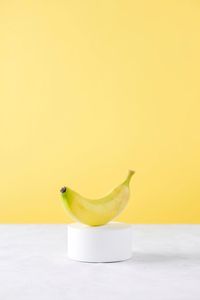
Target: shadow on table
[140,257]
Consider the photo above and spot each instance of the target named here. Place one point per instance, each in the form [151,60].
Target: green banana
[98,211]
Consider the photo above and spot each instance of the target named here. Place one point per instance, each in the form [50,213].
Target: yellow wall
[89,89]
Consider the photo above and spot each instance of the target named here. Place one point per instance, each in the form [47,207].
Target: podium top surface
[110,226]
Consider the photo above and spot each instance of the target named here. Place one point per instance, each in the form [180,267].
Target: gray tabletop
[165,265]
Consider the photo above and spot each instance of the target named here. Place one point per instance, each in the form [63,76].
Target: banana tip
[63,189]
[131,172]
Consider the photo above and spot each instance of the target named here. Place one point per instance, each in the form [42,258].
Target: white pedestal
[108,243]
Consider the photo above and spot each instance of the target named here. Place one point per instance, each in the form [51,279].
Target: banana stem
[130,174]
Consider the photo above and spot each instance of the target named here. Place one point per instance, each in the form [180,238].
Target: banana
[96,212]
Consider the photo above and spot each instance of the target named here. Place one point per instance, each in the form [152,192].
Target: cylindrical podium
[108,243]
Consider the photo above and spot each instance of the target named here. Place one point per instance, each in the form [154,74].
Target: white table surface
[165,265]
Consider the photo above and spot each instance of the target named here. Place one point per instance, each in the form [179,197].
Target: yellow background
[90,89]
